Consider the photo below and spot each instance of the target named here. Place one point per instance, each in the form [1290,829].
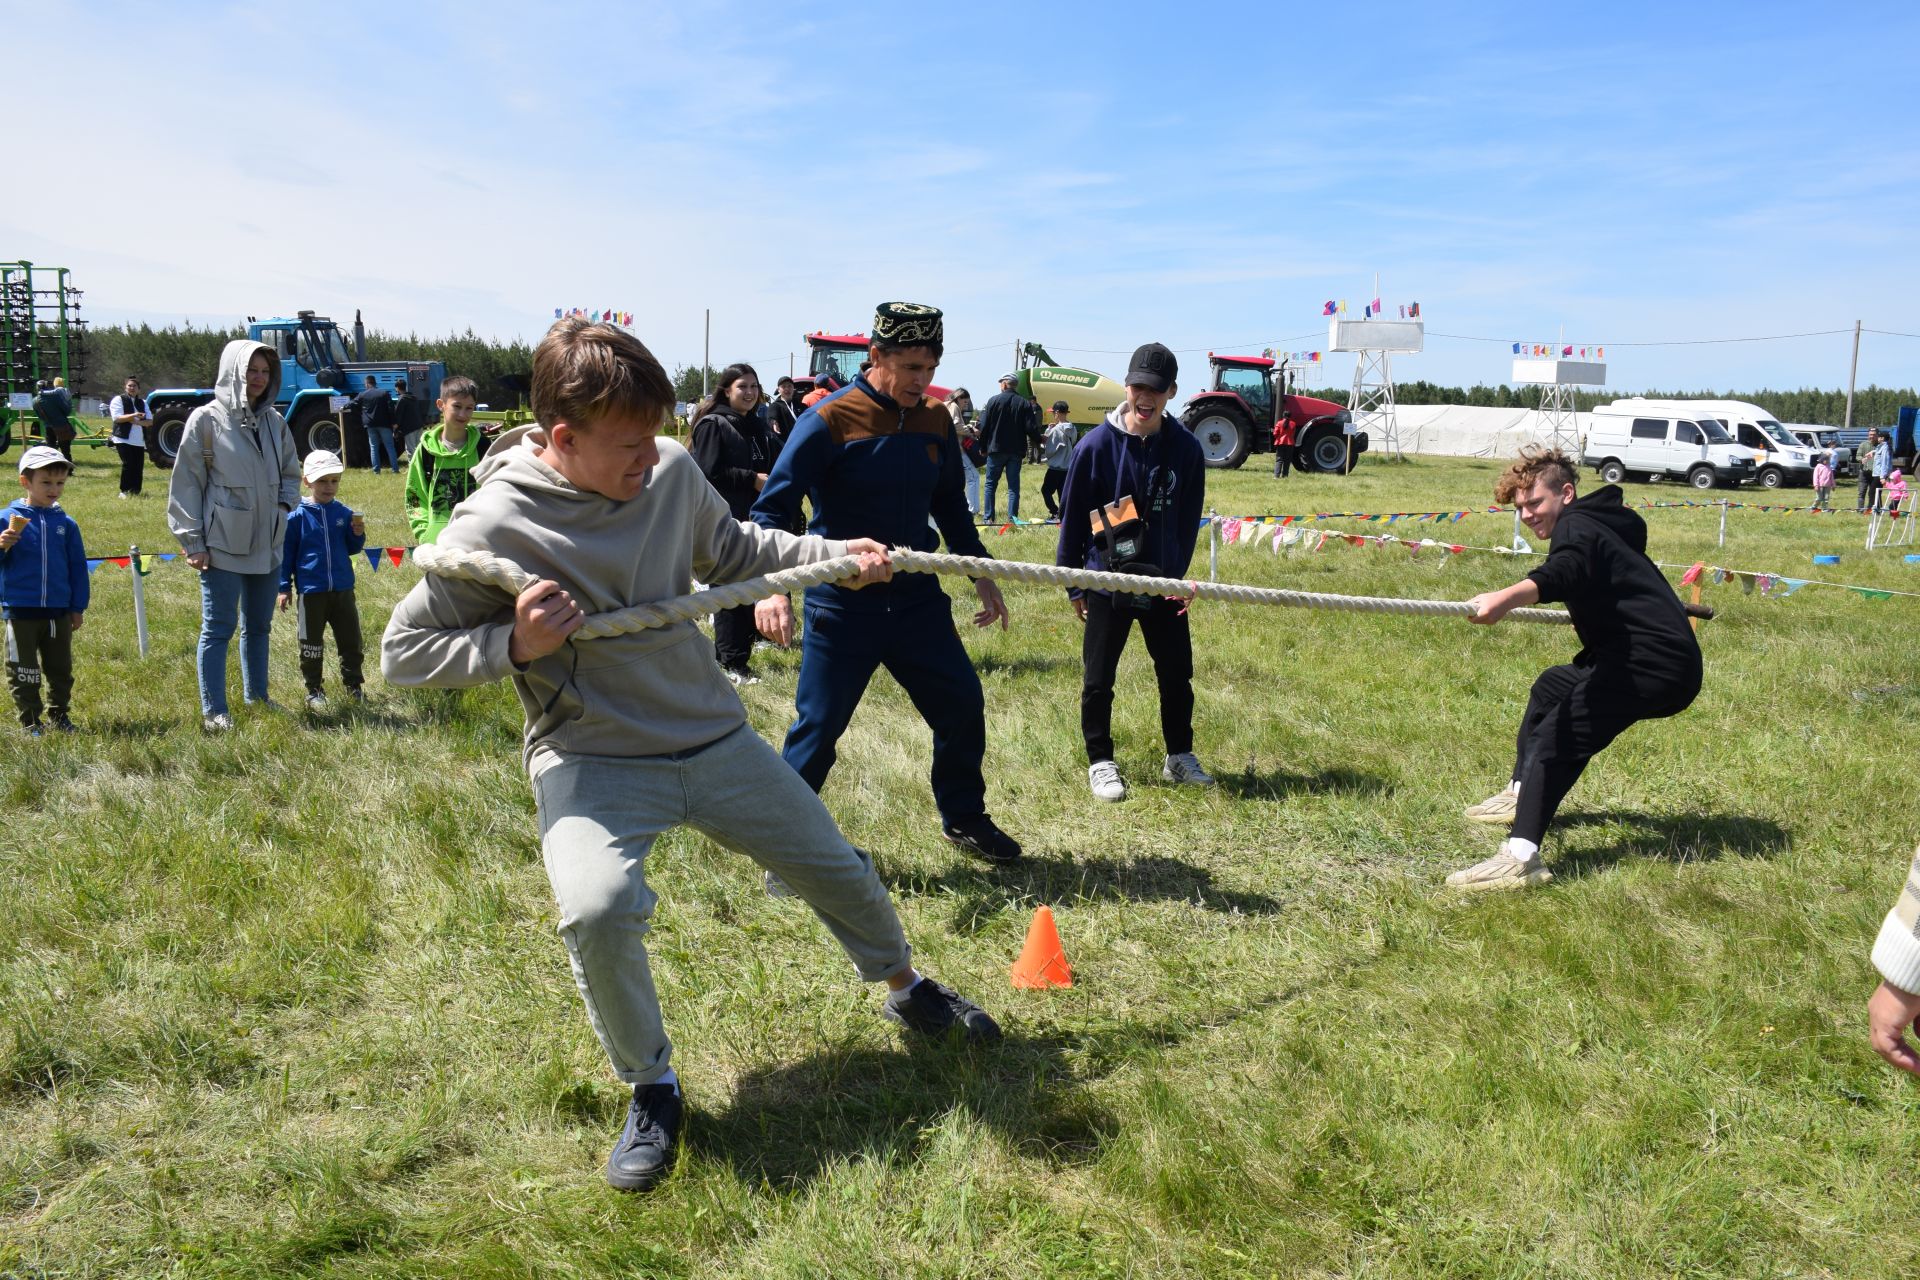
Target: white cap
[42,456]
[320,463]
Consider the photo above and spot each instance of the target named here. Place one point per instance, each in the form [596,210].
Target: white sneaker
[1495,811]
[741,677]
[1103,778]
[1185,769]
[316,702]
[1501,871]
[217,723]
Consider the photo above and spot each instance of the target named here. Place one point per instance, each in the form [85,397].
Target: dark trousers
[920,649]
[40,650]
[1050,490]
[733,633]
[133,466]
[1572,714]
[1870,489]
[1169,644]
[1283,459]
[319,611]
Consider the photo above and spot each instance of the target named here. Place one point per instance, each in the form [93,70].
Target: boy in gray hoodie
[630,736]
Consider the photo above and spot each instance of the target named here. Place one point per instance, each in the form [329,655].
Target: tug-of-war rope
[481,566]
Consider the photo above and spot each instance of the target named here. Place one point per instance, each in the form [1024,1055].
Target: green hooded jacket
[438,480]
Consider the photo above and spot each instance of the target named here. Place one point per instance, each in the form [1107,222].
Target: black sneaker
[644,1151]
[982,839]
[937,1012]
[62,724]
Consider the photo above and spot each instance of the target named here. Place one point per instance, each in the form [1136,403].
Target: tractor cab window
[842,366]
[1252,386]
[282,341]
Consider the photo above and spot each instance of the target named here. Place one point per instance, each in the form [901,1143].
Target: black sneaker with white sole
[939,1012]
[644,1151]
[980,837]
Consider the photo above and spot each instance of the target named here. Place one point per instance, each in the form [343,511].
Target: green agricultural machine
[42,337]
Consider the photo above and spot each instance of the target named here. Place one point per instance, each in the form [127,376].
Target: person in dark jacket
[54,407]
[878,459]
[1638,659]
[1142,457]
[783,414]
[735,451]
[1007,425]
[409,420]
[376,415]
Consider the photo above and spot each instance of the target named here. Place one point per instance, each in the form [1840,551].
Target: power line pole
[706,355]
[1852,373]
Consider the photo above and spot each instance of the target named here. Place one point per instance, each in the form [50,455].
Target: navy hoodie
[1165,473]
[321,545]
[46,569]
[1627,614]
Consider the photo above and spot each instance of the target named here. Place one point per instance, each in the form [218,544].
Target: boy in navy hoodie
[1135,486]
[44,588]
[323,537]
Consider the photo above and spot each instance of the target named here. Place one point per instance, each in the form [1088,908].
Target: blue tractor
[318,380]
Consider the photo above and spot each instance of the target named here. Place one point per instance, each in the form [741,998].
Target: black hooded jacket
[1626,613]
[732,449]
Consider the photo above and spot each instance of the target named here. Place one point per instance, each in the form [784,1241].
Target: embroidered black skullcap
[907,324]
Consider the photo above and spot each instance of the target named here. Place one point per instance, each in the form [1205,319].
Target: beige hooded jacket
[235,509]
[649,693]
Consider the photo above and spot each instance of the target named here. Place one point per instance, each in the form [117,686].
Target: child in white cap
[44,589]
[323,537]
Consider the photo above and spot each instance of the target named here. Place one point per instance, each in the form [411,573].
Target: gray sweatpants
[599,817]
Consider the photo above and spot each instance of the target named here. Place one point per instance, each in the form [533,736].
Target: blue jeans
[1007,464]
[225,596]
[973,482]
[380,445]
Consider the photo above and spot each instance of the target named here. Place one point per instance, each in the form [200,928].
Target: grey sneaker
[1495,810]
[643,1153]
[219,723]
[1185,769]
[1103,778]
[939,1013]
[1501,871]
[316,702]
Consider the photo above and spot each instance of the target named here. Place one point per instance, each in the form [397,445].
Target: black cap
[1060,406]
[1153,367]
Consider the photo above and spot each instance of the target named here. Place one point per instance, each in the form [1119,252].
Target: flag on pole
[1377,308]
[1413,310]
[1516,348]
[1327,310]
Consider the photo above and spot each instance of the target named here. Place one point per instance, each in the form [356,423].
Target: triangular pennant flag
[373,557]
[93,567]
[169,555]
[1871,593]
[1006,528]
[396,554]
[122,561]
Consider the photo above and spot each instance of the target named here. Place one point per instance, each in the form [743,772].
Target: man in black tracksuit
[1638,658]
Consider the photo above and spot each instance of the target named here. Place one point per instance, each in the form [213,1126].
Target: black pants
[733,633]
[319,611]
[1050,490]
[37,649]
[133,466]
[1169,644]
[1870,484]
[1572,714]
[1283,460]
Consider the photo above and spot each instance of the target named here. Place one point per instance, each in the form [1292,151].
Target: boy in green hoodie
[440,473]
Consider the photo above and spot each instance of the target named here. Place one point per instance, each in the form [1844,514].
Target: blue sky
[1088,176]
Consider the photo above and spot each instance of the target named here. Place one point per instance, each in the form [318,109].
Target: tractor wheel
[1326,450]
[1224,434]
[1612,472]
[309,422]
[163,437]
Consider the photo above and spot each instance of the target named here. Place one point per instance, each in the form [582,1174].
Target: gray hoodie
[648,693]
[235,511]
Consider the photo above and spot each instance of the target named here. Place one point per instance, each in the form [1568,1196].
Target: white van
[1630,436]
[1787,460]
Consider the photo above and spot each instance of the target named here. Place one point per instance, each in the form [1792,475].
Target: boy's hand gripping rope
[481,566]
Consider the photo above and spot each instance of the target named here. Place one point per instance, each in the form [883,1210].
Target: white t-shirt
[127,432]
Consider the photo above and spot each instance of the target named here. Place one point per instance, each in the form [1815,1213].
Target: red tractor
[839,356]
[1236,416]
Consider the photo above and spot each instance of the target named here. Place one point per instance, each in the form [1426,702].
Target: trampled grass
[288,1002]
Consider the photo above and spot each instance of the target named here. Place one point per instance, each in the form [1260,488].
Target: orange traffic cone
[1043,961]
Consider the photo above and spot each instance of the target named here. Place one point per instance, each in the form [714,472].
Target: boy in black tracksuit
[1638,660]
[1140,453]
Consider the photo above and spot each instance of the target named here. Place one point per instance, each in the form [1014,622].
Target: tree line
[188,357]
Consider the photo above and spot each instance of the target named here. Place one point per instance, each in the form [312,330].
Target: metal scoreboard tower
[1375,342]
[1557,376]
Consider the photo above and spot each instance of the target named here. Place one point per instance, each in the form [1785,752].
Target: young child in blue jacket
[44,590]
[323,537]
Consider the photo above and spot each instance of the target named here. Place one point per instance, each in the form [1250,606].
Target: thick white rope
[481,566]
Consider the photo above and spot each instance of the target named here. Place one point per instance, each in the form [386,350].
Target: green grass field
[289,1001]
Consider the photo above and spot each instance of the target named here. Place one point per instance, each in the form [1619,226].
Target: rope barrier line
[481,566]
